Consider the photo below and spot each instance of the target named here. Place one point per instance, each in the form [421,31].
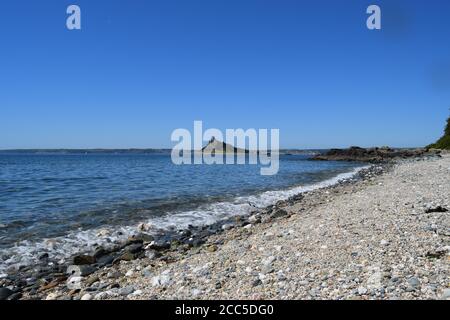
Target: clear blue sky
[139,69]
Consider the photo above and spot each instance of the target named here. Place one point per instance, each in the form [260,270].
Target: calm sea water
[70,197]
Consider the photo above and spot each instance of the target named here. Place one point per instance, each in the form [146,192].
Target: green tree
[444,141]
[447,128]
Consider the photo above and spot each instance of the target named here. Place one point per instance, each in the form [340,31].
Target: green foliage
[444,142]
[447,128]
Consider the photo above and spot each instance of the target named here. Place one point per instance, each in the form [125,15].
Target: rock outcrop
[371,154]
[219,147]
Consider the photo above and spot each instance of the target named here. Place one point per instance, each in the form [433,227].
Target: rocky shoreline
[284,251]
[374,155]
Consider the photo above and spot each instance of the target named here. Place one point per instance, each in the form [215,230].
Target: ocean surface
[61,204]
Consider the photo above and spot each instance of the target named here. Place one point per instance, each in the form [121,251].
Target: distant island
[215,146]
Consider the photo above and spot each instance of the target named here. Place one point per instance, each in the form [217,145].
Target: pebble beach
[384,235]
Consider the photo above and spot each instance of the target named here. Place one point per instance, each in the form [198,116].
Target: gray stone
[114,274]
[413,282]
[162,280]
[268,261]
[227,226]
[152,254]
[81,270]
[446,294]
[362,291]
[86,296]
[126,290]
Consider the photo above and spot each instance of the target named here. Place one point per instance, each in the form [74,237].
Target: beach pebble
[102,295]
[152,254]
[161,280]
[413,282]
[227,226]
[446,294]
[268,261]
[114,274]
[52,296]
[362,291]
[254,219]
[86,296]
[74,282]
[211,248]
[137,293]
[82,270]
[129,273]
[126,290]
[195,292]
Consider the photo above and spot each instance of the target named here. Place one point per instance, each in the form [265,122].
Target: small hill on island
[444,141]
[216,146]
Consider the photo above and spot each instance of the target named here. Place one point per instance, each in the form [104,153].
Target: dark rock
[100,252]
[5,293]
[297,197]
[141,238]
[91,280]
[91,289]
[369,154]
[279,213]
[15,296]
[74,292]
[280,203]
[43,256]
[174,244]
[105,260]
[126,256]
[256,283]
[160,245]
[197,242]
[134,248]
[437,209]
[185,233]
[83,259]
[436,254]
